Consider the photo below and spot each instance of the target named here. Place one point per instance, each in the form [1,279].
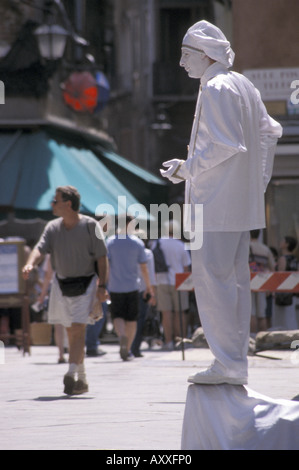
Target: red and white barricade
[280,281]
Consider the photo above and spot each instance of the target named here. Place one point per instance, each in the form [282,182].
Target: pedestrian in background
[126,253]
[178,260]
[285,317]
[93,332]
[261,260]
[144,302]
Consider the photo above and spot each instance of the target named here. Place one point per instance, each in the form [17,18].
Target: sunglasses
[54,201]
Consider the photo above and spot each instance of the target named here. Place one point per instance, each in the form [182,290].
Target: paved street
[130,406]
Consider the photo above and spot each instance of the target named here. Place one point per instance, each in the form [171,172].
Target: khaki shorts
[168,298]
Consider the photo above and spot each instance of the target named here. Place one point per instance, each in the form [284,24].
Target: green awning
[144,185]
[133,168]
[33,164]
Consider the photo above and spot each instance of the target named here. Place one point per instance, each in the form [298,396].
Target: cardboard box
[41,334]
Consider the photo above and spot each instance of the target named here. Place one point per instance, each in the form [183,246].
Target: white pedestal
[233,417]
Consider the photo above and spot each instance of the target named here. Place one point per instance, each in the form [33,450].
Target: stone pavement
[131,405]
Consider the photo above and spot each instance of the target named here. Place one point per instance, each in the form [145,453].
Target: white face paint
[194,62]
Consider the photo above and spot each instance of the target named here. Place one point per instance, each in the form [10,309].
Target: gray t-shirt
[73,252]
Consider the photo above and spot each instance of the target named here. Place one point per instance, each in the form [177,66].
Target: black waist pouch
[74,286]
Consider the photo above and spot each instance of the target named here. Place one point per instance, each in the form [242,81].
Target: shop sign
[274,84]
[11,263]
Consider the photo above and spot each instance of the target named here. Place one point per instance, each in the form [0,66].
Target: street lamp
[162,121]
[51,41]
[4,49]
[52,37]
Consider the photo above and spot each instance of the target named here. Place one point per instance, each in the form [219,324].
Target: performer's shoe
[211,377]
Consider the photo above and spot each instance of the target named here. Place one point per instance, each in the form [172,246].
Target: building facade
[267,52]
[137,44]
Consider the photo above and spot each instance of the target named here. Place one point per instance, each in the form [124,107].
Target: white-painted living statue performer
[227,170]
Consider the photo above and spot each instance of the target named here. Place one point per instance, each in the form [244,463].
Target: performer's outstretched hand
[172,173]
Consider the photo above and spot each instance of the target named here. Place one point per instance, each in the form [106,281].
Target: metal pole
[181,326]
[25,312]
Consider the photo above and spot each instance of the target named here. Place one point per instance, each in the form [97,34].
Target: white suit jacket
[231,153]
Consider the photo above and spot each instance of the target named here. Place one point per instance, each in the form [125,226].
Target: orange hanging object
[80,92]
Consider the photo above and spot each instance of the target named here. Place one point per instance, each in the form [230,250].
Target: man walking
[126,254]
[72,243]
[227,170]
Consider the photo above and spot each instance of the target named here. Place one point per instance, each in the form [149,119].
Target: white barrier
[280,281]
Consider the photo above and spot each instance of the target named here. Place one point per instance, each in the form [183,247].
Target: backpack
[160,263]
[257,263]
[292,263]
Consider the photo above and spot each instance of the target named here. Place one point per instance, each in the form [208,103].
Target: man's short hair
[255,233]
[124,219]
[70,193]
[291,242]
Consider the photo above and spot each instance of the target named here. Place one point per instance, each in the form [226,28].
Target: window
[282,210]
[174,18]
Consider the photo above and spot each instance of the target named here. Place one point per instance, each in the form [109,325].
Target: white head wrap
[204,36]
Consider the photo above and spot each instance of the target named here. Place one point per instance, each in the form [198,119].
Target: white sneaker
[167,347]
[210,377]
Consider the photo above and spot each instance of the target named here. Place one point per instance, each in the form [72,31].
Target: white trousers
[221,278]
